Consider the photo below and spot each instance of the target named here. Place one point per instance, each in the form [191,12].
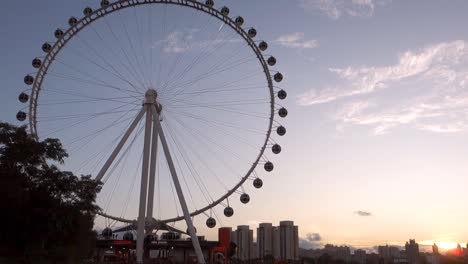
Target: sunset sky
[377,144]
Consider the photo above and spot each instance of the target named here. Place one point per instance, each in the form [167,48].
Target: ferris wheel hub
[150,96]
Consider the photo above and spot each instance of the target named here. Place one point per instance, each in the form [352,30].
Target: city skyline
[378,99]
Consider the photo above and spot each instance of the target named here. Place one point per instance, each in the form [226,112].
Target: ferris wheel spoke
[222,130]
[172,72]
[73,123]
[206,75]
[187,144]
[109,68]
[218,122]
[79,95]
[93,82]
[123,157]
[96,132]
[220,86]
[132,47]
[198,59]
[130,68]
[222,61]
[188,163]
[208,141]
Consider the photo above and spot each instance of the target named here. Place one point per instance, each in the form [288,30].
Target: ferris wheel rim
[123,4]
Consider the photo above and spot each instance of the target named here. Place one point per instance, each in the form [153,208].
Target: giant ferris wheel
[176,96]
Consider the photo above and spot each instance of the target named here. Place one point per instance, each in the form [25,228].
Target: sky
[377,98]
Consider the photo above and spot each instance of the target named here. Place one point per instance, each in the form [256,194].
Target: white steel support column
[120,145]
[144,183]
[175,179]
[152,171]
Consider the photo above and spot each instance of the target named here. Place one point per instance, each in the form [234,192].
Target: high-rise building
[360,256]
[265,240]
[288,241]
[243,238]
[338,252]
[435,250]
[412,252]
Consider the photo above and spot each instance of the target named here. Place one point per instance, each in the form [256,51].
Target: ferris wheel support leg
[120,145]
[180,194]
[152,173]
[144,185]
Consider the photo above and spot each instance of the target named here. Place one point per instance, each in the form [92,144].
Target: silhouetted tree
[46,212]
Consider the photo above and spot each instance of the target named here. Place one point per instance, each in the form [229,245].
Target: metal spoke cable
[114,71]
[103,59]
[145,62]
[102,84]
[130,65]
[129,39]
[190,167]
[181,172]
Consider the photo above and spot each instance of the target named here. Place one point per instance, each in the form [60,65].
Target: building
[435,250]
[288,241]
[412,252]
[389,253]
[360,256]
[243,238]
[265,240]
[338,252]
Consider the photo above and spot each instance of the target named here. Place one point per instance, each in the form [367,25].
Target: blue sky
[377,100]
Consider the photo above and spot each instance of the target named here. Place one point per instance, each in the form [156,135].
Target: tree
[45,212]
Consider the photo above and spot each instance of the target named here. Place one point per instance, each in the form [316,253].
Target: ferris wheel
[176,96]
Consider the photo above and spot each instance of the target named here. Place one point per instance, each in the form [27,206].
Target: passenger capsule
[107,233]
[282,94]
[276,149]
[210,222]
[239,21]
[36,63]
[263,46]
[225,11]
[46,47]
[252,32]
[209,3]
[271,61]
[283,112]
[228,211]
[244,198]
[21,116]
[23,97]
[104,3]
[28,79]
[281,130]
[268,166]
[128,236]
[72,21]
[58,33]
[87,11]
[258,183]
[278,77]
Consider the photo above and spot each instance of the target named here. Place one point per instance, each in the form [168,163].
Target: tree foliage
[46,212]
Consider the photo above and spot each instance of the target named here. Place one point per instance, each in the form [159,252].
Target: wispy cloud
[187,40]
[296,40]
[337,8]
[436,98]
[363,213]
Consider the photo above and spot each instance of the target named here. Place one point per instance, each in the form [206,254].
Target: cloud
[334,9]
[431,84]
[296,40]
[185,40]
[363,213]
[311,240]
